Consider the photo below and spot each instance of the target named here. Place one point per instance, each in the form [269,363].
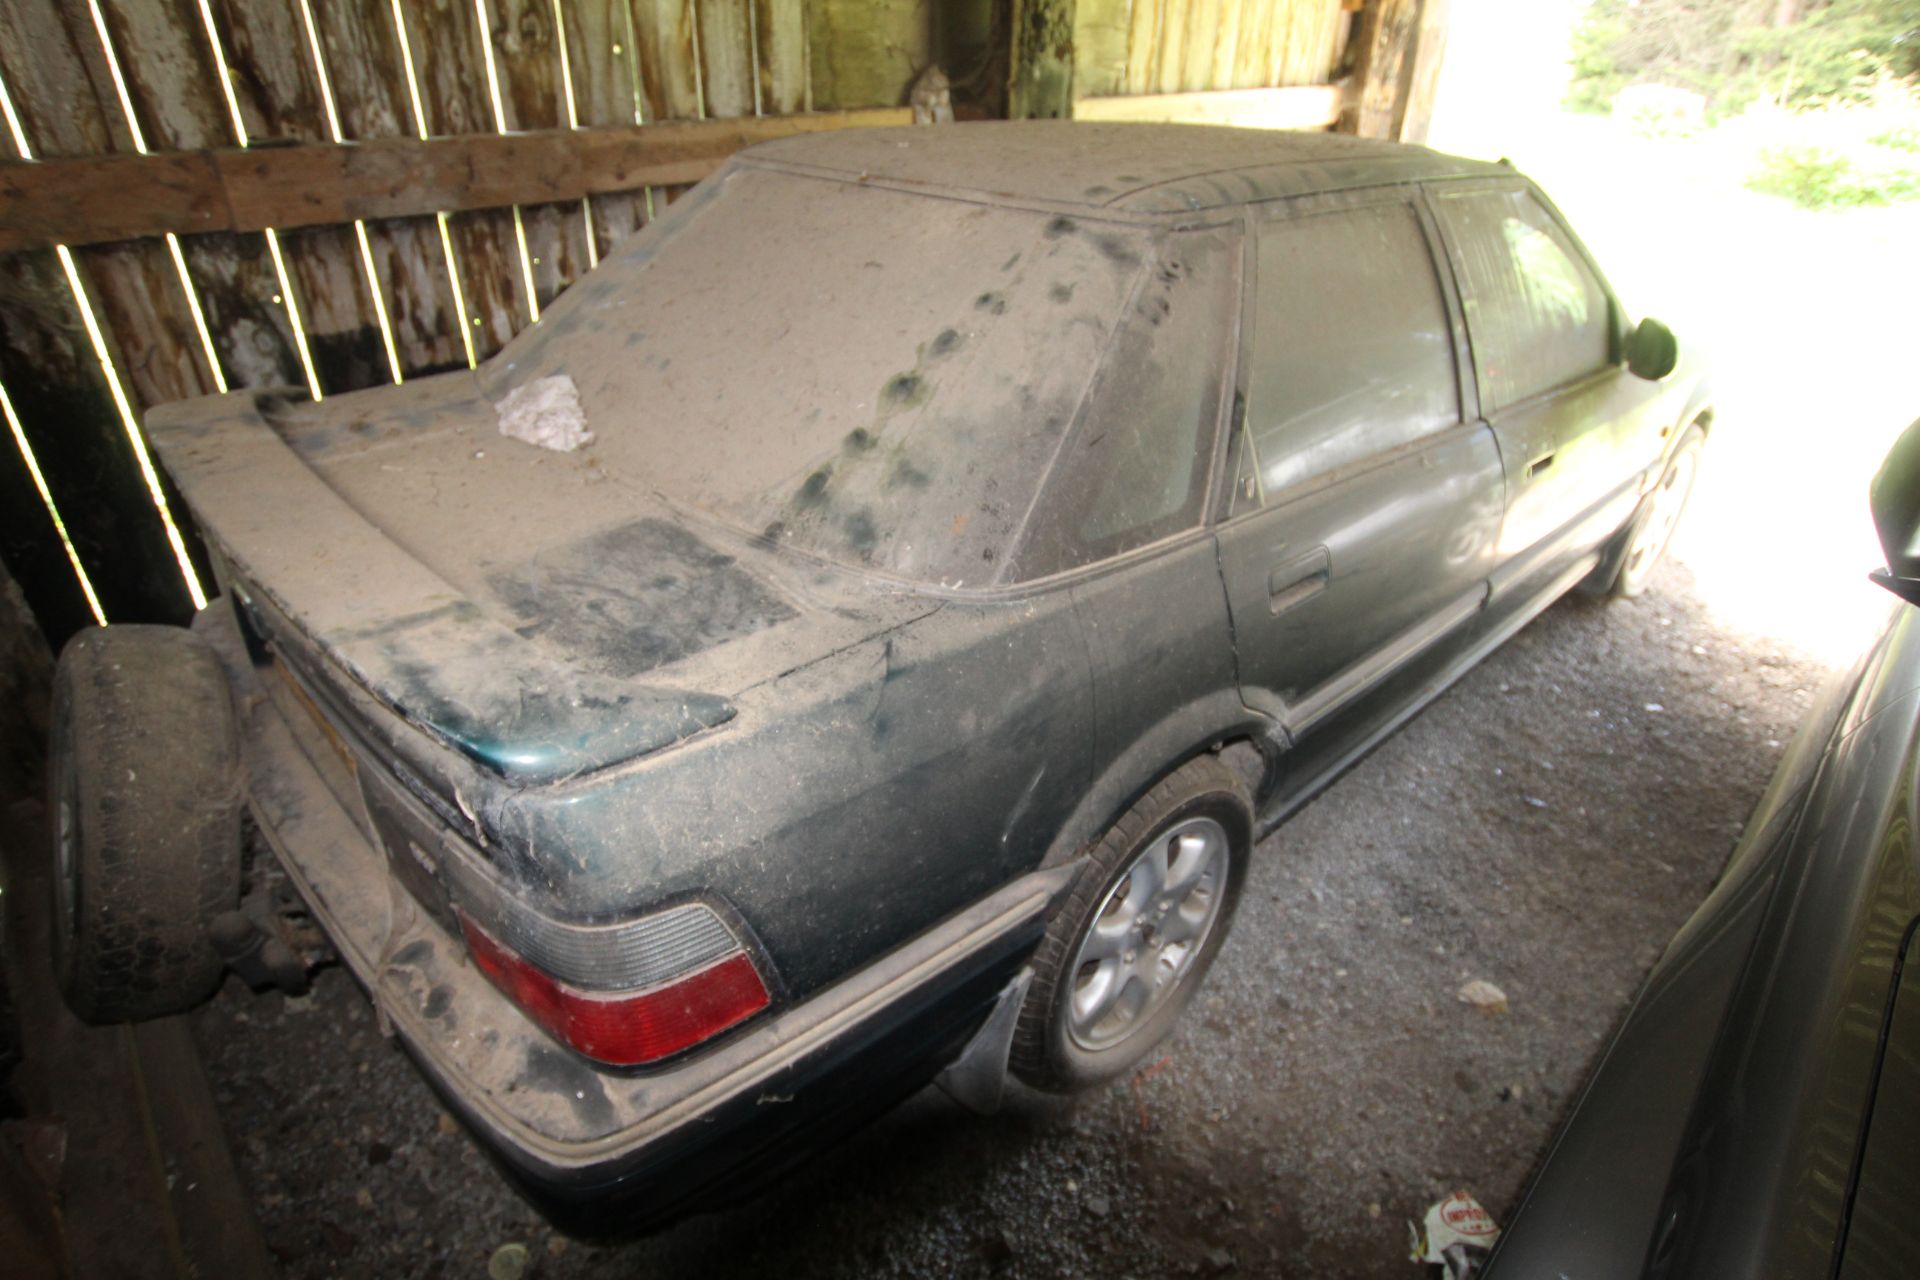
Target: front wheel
[1141,927]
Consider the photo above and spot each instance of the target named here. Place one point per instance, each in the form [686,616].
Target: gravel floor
[1544,826]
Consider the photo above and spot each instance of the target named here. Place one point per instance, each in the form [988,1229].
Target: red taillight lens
[625,1028]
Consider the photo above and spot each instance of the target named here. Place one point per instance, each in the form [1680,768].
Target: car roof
[1130,168]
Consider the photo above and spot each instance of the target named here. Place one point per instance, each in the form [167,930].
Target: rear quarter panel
[852,803]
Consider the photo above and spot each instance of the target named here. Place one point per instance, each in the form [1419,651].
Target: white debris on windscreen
[875,376]
[545,412]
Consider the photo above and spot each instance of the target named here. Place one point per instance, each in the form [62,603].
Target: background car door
[1364,505]
[1576,431]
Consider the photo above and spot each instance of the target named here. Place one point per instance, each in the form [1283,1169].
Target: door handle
[1538,465]
[1298,580]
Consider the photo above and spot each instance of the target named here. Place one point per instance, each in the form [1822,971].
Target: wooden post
[1422,80]
[1384,40]
[1042,80]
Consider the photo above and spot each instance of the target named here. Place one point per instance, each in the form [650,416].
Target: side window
[1351,349]
[1537,316]
[1136,467]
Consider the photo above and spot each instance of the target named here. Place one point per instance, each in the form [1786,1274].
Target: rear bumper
[605,1148]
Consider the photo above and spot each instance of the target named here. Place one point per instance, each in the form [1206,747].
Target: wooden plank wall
[91,337]
[1182,46]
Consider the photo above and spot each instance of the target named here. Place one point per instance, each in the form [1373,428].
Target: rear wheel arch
[1219,723]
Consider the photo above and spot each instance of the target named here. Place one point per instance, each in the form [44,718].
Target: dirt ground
[1545,826]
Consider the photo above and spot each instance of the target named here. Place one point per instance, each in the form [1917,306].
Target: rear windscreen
[878,377]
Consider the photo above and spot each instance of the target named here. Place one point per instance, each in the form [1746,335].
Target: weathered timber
[1386,48]
[1100,37]
[669,70]
[452,50]
[98,199]
[781,29]
[1299,107]
[1042,86]
[62,398]
[369,77]
[55,65]
[527,46]
[727,56]
[602,57]
[173,89]
[30,549]
[865,53]
[1423,76]
[1183,46]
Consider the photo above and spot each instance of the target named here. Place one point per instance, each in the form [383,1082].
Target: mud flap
[977,1079]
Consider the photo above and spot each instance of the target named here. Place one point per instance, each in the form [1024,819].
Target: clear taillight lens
[630,1027]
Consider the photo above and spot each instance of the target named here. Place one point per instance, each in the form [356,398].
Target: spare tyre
[143,778]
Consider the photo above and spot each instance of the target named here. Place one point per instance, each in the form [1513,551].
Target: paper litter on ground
[545,412]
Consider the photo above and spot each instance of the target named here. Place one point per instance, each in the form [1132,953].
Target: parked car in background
[1758,1112]
[985,534]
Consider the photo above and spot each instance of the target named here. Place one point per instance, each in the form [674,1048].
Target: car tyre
[144,811]
[1633,557]
[1141,926]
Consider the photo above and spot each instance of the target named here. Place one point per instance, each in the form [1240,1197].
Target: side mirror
[1652,350]
[1895,498]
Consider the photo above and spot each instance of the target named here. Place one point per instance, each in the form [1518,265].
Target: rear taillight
[632,1027]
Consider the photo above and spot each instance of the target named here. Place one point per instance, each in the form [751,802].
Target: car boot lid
[510,609]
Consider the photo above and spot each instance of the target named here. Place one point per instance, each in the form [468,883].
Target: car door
[1125,507]
[1577,432]
[1365,502]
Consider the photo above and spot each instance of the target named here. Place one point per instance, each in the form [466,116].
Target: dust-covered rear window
[879,377]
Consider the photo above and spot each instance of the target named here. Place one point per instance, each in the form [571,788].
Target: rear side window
[1135,469]
[1537,315]
[1351,349]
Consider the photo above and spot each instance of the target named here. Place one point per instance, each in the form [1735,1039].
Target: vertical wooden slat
[782,32]
[445,36]
[1250,54]
[1143,44]
[1100,32]
[57,78]
[1226,43]
[176,97]
[58,390]
[1387,36]
[369,77]
[598,36]
[137,287]
[55,68]
[600,46]
[1171,73]
[726,57]
[669,71]
[1203,23]
[31,550]
[527,46]
[281,99]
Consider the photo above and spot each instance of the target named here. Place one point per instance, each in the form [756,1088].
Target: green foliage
[1816,177]
[1734,53]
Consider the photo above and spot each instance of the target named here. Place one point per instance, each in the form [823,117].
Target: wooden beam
[98,199]
[1301,107]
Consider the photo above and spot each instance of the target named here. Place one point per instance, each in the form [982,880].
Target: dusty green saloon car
[976,538]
